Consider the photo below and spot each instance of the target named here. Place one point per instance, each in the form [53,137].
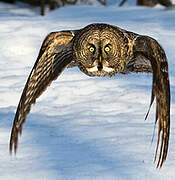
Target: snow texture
[82,128]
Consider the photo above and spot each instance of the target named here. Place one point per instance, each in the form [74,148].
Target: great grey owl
[100,50]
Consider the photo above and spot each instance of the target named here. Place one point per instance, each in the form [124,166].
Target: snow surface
[82,127]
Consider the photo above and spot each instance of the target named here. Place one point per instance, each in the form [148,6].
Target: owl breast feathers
[100,50]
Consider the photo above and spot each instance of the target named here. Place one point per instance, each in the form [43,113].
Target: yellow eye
[91,49]
[107,49]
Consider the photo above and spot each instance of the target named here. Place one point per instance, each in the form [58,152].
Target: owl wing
[149,56]
[55,55]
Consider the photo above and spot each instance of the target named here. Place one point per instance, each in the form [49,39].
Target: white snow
[82,127]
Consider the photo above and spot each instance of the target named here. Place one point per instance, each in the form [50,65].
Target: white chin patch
[108,69]
[95,69]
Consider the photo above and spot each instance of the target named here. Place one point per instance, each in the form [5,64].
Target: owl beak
[100,66]
[100,59]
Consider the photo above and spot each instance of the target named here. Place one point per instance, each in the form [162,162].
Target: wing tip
[163,151]
[14,139]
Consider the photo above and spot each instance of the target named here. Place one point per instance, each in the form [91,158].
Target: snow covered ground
[82,127]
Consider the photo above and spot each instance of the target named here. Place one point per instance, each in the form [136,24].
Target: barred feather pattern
[151,50]
[55,54]
[161,90]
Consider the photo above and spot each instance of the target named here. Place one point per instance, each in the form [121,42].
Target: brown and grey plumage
[100,50]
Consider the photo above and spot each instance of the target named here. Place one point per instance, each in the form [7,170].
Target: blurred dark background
[53,4]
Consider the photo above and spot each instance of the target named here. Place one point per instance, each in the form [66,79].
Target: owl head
[101,50]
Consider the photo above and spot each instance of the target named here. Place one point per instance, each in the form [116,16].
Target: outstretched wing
[55,54]
[148,56]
